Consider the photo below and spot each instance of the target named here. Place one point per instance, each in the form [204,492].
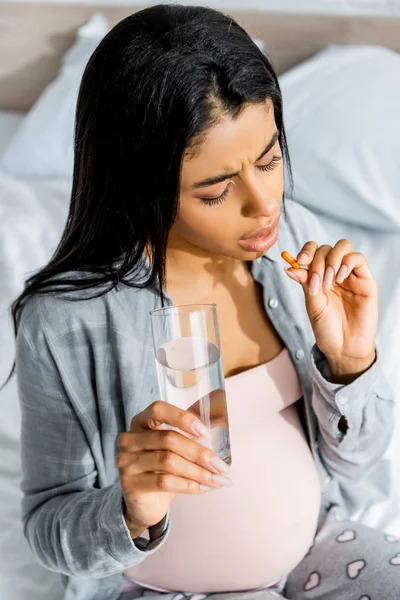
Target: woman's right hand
[156,464]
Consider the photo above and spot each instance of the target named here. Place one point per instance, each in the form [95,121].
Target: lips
[258,233]
[260,239]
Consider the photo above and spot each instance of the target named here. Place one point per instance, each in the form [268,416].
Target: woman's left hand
[342,304]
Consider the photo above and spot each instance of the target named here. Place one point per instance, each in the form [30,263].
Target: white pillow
[32,217]
[9,123]
[342,118]
[43,144]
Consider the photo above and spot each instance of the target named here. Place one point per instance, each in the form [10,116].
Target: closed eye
[219,199]
[271,165]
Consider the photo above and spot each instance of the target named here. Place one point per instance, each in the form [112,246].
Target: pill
[290,259]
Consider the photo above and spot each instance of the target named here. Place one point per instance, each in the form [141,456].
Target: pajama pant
[348,561]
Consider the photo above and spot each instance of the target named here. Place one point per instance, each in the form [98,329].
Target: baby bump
[269,515]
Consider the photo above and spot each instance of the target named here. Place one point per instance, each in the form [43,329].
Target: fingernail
[314,285]
[342,274]
[220,465]
[328,278]
[302,257]
[201,430]
[206,488]
[291,275]
[222,480]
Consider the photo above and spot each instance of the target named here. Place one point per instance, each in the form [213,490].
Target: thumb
[299,275]
[312,289]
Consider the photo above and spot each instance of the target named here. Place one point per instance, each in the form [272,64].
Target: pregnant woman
[177,198]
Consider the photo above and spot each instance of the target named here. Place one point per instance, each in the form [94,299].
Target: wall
[382,7]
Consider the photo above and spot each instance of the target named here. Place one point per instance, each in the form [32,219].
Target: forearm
[83,534]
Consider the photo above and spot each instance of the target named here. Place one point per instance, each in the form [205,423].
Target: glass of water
[187,350]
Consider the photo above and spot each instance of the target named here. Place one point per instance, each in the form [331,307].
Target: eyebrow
[218,178]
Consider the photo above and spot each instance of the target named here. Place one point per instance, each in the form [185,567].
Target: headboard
[33,37]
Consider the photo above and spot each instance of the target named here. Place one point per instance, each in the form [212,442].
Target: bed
[35,183]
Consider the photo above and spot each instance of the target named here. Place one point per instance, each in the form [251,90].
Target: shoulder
[49,316]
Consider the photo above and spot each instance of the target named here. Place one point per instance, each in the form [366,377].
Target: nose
[259,200]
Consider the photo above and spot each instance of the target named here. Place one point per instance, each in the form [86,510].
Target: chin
[244,256]
[255,255]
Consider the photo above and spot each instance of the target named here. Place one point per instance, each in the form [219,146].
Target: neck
[191,265]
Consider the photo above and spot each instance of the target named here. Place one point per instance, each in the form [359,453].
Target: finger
[160,413]
[162,482]
[307,252]
[311,278]
[316,270]
[354,263]
[175,442]
[333,262]
[164,461]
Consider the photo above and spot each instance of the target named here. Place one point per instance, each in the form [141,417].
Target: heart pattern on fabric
[313,581]
[391,538]
[355,568]
[347,536]
[395,560]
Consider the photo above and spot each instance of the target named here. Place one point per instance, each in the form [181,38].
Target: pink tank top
[250,535]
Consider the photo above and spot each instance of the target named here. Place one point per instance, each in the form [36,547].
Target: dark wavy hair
[150,91]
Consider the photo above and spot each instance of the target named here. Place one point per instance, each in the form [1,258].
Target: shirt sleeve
[71,525]
[365,407]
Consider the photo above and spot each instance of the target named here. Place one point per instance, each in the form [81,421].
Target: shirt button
[273,303]
[341,400]
[299,354]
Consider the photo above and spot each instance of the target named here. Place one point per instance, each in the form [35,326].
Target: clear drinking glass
[189,368]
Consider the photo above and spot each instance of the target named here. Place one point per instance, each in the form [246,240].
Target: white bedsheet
[32,216]
[21,578]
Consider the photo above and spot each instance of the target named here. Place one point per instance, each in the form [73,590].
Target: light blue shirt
[84,369]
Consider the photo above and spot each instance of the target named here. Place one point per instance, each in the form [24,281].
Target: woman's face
[232,188]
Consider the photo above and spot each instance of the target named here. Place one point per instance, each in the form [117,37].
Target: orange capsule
[289,259]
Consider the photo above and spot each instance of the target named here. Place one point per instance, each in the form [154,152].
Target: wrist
[345,370]
[134,530]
